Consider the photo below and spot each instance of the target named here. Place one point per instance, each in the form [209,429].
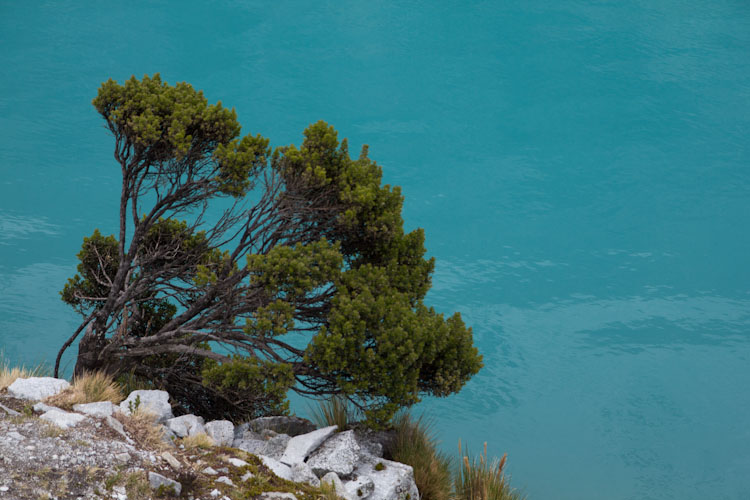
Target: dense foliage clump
[305,281]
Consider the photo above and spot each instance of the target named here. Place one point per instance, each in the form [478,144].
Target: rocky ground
[100,451]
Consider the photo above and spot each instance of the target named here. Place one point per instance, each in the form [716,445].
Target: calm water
[580,168]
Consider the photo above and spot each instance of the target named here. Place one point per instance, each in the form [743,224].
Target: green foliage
[263,383]
[415,444]
[318,253]
[97,267]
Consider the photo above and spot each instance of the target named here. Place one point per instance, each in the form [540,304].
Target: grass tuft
[415,445]
[482,479]
[88,388]
[142,426]
[200,441]
[335,411]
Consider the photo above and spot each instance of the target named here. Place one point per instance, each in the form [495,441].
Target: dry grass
[482,479]
[200,441]
[9,374]
[415,445]
[142,426]
[88,388]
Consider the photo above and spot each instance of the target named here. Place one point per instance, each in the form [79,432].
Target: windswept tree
[302,279]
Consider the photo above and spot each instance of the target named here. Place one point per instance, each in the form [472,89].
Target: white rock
[42,408]
[215,493]
[221,431]
[210,471]
[302,473]
[117,426]
[171,460]
[247,476]
[37,388]
[156,402]
[186,425]
[237,462]
[333,478]
[299,447]
[338,454]
[361,487]
[225,480]
[395,481]
[278,468]
[99,409]
[63,419]
[277,495]
[15,435]
[156,480]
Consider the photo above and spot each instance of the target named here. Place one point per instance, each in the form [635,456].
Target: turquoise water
[580,168]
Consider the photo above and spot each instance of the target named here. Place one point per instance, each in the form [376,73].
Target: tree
[305,280]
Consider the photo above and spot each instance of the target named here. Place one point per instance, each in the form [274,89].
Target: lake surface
[580,169]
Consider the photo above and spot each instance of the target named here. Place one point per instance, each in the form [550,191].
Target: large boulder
[156,402]
[186,425]
[37,388]
[299,447]
[338,454]
[63,419]
[292,426]
[391,480]
[221,431]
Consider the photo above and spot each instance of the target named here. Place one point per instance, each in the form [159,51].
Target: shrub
[482,479]
[415,445]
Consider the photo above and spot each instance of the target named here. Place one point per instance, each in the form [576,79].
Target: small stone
[215,493]
[237,462]
[247,476]
[122,457]
[4,488]
[157,480]
[278,468]
[225,480]
[210,471]
[42,408]
[172,461]
[277,495]
[333,478]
